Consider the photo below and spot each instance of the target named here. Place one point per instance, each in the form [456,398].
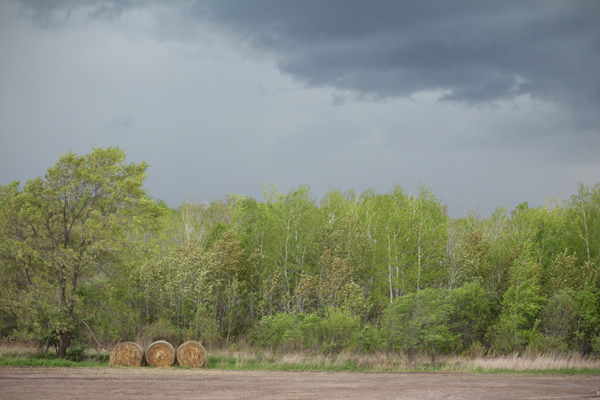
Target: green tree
[583,216]
[176,287]
[521,304]
[72,224]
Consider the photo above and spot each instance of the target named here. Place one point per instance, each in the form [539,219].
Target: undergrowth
[266,360]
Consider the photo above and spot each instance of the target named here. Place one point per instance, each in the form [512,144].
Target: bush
[471,311]
[77,352]
[338,330]
[334,331]
[275,330]
[418,323]
[542,344]
[476,350]
[366,338]
[559,315]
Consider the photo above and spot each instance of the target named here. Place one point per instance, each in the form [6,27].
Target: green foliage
[559,315]
[331,332]
[588,319]
[334,286]
[271,330]
[542,344]
[367,338]
[70,225]
[83,259]
[472,259]
[583,222]
[418,323]
[338,330]
[517,323]
[476,350]
[472,310]
[77,352]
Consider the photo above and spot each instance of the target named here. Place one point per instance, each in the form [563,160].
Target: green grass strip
[231,363]
[36,362]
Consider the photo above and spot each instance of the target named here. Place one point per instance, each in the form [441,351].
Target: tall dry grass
[247,357]
[380,361]
[383,362]
[534,363]
[21,347]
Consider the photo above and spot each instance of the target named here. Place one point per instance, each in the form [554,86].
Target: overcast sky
[487,103]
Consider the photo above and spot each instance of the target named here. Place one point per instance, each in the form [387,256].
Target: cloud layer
[471,51]
[486,102]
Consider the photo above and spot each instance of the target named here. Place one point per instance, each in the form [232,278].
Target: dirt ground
[146,383]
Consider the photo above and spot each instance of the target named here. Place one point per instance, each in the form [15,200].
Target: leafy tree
[559,315]
[176,287]
[583,216]
[471,257]
[521,304]
[587,328]
[231,277]
[427,221]
[74,223]
[334,287]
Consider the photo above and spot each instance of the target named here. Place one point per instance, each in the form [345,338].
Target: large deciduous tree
[66,227]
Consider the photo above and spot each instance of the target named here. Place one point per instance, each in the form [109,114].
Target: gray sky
[487,103]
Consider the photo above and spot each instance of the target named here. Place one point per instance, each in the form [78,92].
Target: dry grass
[383,362]
[305,360]
[535,363]
[17,348]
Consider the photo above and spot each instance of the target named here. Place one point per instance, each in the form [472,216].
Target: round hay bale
[127,353]
[191,354]
[160,354]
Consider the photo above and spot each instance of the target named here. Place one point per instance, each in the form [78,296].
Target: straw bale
[127,353]
[160,354]
[191,354]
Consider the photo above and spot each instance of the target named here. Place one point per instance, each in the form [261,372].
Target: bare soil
[155,383]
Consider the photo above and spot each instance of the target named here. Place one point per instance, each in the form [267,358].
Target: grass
[266,360]
[381,362]
[29,356]
[546,363]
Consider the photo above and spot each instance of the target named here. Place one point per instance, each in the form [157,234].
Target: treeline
[378,271]
[365,272]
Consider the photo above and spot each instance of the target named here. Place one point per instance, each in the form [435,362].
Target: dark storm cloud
[222,96]
[473,51]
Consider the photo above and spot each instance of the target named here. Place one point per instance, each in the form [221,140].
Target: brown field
[152,383]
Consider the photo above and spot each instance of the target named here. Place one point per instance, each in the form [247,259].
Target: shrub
[542,344]
[471,311]
[77,352]
[417,323]
[338,330]
[476,350]
[335,330]
[273,330]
